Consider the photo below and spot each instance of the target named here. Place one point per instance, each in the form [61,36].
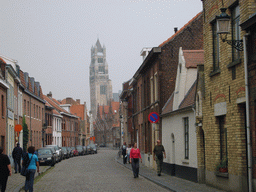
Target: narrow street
[98,172]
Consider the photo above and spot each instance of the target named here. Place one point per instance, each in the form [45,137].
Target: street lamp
[223,22]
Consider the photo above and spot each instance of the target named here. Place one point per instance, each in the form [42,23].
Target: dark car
[70,152]
[89,149]
[58,150]
[46,156]
[80,150]
[102,145]
[85,150]
[65,152]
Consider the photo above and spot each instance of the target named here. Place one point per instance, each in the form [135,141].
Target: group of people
[18,154]
[132,154]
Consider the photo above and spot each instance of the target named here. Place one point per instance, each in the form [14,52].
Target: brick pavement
[170,182]
[16,181]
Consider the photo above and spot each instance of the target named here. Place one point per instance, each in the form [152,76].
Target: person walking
[128,150]
[124,153]
[158,153]
[33,165]
[5,169]
[16,155]
[134,160]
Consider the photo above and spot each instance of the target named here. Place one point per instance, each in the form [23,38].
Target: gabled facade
[178,119]
[33,106]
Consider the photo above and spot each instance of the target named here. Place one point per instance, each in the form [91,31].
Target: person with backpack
[124,152]
[33,165]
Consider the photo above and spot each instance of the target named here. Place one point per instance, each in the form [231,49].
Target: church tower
[100,84]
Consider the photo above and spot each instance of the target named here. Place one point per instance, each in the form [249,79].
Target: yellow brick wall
[221,88]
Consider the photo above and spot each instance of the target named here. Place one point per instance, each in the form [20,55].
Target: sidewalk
[16,181]
[170,182]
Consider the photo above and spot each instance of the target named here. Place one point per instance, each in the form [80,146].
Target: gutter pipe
[249,155]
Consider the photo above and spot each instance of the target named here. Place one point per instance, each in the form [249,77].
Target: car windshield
[63,148]
[44,152]
[93,145]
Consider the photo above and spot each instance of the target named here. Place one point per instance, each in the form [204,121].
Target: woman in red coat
[134,160]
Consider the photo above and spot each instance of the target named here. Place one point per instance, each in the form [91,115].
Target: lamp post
[223,22]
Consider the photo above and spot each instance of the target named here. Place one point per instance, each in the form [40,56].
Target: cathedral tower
[100,84]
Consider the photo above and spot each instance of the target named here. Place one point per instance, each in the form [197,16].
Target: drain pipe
[249,155]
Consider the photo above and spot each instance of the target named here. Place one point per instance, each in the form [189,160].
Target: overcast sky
[52,39]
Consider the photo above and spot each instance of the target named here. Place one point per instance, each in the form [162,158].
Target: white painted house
[178,119]
[57,128]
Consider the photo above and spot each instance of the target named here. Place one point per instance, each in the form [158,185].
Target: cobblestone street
[99,172]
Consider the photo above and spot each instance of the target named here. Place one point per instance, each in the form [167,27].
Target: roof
[181,29]
[106,109]
[78,110]
[54,104]
[193,58]
[98,45]
[189,99]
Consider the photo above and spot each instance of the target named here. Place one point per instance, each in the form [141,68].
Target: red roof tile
[78,110]
[115,106]
[193,58]
[54,104]
[181,29]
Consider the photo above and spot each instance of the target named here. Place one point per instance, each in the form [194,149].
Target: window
[223,138]
[24,110]
[216,50]
[103,89]
[100,60]
[235,21]
[2,103]
[102,69]
[156,87]
[186,137]
[151,90]
[28,108]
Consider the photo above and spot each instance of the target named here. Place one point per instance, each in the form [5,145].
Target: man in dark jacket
[5,169]
[124,152]
[16,155]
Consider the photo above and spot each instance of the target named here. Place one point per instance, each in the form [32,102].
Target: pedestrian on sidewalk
[158,153]
[128,150]
[5,169]
[16,155]
[124,152]
[33,165]
[135,156]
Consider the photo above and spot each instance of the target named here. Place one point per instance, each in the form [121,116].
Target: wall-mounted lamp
[223,21]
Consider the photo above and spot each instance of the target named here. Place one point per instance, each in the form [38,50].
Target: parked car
[102,145]
[85,150]
[65,152]
[47,156]
[58,151]
[89,149]
[80,150]
[94,148]
[70,152]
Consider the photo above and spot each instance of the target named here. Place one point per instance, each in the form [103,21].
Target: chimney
[175,29]
[49,94]
[78,101]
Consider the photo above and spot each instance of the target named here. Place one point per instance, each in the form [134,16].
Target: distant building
[100,84]
[116,97]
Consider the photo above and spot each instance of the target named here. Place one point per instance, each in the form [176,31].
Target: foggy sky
[52,39]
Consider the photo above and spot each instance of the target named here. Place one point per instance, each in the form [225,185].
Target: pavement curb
[23,184]
[148,178]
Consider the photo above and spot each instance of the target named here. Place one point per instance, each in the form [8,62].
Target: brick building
[154,81]
[224,105]
[3,97]
[33,108]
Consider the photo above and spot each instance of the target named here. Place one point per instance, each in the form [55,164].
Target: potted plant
[223,166]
